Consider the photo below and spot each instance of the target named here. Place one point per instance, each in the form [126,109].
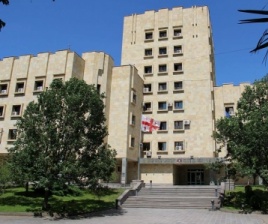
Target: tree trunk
[27,188]
[45,202]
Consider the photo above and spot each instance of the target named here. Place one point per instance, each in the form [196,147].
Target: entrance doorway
[195,176]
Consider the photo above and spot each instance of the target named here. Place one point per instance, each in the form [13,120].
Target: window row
[178,146]
[163,106]
[178,125]
[16,110]
[163,34]
[21,86]
[163,69]
[163,51]
[162,87]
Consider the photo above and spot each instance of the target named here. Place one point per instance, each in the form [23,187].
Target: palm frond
[262,12]
[2,24]
[262,43]
[260,20]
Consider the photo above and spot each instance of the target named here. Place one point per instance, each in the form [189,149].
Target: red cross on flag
[149,124]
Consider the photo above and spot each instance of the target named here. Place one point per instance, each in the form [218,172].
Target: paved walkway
[148,216]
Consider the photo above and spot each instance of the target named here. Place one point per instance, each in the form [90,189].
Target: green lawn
[15,200]
[255,199]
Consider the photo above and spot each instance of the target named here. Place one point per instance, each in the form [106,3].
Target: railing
[136,186]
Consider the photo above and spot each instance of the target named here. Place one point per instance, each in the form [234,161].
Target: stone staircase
[174,197]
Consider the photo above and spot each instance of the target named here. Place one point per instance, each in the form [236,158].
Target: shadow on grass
[71,207]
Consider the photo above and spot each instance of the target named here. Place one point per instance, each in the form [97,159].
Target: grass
[16,200]
[254,199]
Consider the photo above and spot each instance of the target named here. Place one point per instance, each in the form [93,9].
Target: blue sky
[35,26]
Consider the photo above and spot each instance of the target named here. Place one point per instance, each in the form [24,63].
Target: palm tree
[263,41]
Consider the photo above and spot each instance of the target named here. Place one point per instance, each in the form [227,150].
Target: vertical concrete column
[124,171]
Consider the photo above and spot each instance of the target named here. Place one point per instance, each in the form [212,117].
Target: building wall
[25,72]
[227,96]
[197,76]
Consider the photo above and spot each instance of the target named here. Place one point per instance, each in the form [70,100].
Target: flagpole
[139,153]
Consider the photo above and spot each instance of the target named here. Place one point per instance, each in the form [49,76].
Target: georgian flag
[149,124]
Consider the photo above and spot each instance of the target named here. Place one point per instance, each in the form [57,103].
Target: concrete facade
[167,74]
[173,52]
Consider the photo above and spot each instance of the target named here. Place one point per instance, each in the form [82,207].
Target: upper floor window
[162,68]
[39,85]
[162,86]
[162,106]
[178,146]
[12,134]
[134,97]
[162,51]
[177,50]
[132,142]
[149,36]
[133,119]
[178,105]
[19,87]
[163,126]
[178,125]
[147,107]
[16,110]
[177,33]
[178,85]
[162,34]
[148,52]
[162,146]
[229,111]
[147,88]
[177,67]
[3,89]
[148,69]
[2,111]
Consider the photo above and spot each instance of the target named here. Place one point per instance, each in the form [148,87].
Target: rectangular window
[133,119]
[148,69]
[12,134]
[147,107]
[162,86]
[134,97]
[178,85]
[177,50]
[19,87]
[162,105]
[3,89]
[177,67]
[178,125]
[132,142]
[162,34]
[146,146]
[229,111]
[2,111]
[148,35]
[162,146]
[162,51]
[178,105]
[147,88]
[39,85]
[177,33]
[148,52]
[162,68]
[163,126]
[16,110]
[178,146]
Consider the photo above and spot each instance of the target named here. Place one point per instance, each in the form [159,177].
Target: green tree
[5,177]
[60,139]
[246,134]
